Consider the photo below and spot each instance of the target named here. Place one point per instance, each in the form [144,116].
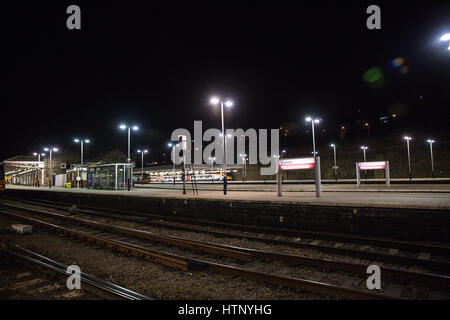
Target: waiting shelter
[115,176]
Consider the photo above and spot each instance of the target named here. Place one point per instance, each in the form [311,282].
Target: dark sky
[157,64]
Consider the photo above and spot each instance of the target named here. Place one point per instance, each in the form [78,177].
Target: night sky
[156,64]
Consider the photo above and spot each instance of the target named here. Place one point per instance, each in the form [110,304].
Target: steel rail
[328,264]
[171,240]
[414,246]
[166,259]
[295,283]
[91,281]
[429,264]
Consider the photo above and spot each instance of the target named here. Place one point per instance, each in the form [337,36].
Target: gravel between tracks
[144,277]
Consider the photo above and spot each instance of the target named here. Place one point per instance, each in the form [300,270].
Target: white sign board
[381,165]
[372,165]
[297,164]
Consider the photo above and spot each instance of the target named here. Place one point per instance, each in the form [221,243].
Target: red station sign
[297,164]
[372,165]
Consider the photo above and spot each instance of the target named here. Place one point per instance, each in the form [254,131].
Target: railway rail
[414,256]
[186,263]
[99,287]
[242,254]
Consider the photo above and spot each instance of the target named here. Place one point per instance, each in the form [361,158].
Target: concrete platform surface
[380,198]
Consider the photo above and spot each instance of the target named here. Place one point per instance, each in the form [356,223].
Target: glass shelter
[116,176]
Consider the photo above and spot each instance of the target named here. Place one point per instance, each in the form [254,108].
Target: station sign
[297,164]
[381,165]
[372,165]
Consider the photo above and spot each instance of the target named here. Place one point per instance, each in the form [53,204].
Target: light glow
[228,104]
[215,100]
[445,37]
[122,126]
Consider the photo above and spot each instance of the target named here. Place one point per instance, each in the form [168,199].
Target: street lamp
[228,104]
[445,38]
[364,148]
[313,121]
[244,159]
[431,141]
[52,149]
[124,127]
[142,152]
[212,159]
[81,142]
[38,155]
[171,145]
[367,125]
[342,133]
[409,156]
[335,164]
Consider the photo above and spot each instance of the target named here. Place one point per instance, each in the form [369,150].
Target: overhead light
[215,100]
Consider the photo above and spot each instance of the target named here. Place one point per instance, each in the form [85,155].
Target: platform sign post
[318,178]
[302,164]
[381,165]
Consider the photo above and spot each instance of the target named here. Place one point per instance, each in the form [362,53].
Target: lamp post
[81,142]
[124,127]
[50,165]
[212,159]
[342,133]
[364,148]
[367,125]
[229,104]
[37,171]
[170,145]
[142,152]
[244,159]
[313,121]
[431,142]
[335,164]
[409,156]
[38,155]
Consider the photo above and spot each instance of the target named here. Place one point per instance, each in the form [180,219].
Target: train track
[186,263]
[241,254]
[98,287]
[416,254]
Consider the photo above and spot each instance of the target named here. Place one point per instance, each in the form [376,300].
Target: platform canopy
[24,167]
